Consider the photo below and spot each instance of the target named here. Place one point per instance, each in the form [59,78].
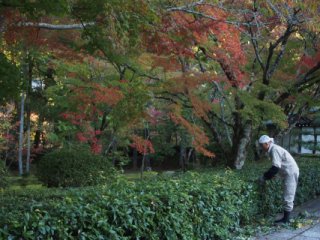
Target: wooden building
[304,138]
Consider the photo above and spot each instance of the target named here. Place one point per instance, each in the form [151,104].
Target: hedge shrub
[192,206]
[270,196]
[74,167]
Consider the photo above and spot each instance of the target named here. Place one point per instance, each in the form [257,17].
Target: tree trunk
[7,149]
[148,163]
[28,142]
[21,135]
[146,137]
[28,105]
[142,166]
[37,136]
[241,145]
[114,152]
[182,157]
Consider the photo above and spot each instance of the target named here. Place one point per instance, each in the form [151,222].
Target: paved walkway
[308,232]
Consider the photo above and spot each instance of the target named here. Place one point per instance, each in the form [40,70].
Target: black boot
[285,219]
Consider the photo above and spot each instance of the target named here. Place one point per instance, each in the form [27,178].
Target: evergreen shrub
[74,167]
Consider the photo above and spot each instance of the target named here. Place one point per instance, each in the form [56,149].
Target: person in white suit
[284,165]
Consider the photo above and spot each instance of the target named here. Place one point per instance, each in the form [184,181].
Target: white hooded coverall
[288,170]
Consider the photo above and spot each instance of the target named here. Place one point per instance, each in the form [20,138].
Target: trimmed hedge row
[269,197]
[191,206]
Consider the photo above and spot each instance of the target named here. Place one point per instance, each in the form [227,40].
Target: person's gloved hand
[261,180]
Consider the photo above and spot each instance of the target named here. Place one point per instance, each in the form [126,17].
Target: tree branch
[306,78]
[256,48]
[301,83]
[55,26]
[284,41]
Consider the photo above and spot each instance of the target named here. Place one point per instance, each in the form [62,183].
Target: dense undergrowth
[208,205]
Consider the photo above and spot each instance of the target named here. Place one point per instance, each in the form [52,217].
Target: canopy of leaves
[9,79]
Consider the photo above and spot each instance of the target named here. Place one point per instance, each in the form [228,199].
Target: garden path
[310,231]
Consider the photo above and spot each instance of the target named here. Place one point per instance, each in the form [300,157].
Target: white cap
[265,139]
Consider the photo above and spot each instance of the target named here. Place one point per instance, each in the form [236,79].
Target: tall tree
[216,41]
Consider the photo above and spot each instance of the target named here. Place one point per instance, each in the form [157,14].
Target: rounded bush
[74,167]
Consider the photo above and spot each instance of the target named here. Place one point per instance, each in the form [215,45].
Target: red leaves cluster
[90,100]
[143,146]
[74,118]
[87,135]
[95,94]
[91,137]
[180,32]
[201,108]
[307,62]
[199,137]
[107,95]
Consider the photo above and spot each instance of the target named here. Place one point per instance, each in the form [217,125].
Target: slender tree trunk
[114,154]
[37,136]
[189,155]
[142,166]
[182,157]
[314,150]
[28,105]
[242,145]
[148,163]
[242,131]
[21,135]
[28,143]
[146,136]
[7,148]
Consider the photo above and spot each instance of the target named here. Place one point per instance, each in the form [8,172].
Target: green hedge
[74,167]
[190,206]
[269,197]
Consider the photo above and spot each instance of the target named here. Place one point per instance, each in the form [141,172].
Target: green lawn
[31,182]
[24,182]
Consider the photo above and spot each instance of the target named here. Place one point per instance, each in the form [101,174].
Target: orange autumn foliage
[143,146]
[199,137]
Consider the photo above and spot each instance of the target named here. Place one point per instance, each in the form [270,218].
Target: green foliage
[270,196]
[190,206]
[9,80]
[3,175]
[259,111]
[36,9]
[132,106]
[74,167]
[119,32]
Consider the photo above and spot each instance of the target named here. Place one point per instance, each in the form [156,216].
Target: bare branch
[256,47]
[281,53]
[306,78]
[276,10]
[303,82]
[55,26]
